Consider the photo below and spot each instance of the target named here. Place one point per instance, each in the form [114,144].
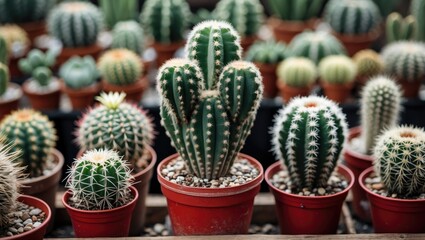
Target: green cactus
[4,78]
[12,11]
[337,69]
[128,35]
[368,63]
[297,72]
[130,134]
[399,160]
[99,180]
[75,24]
[117,11]
[4,52]
[399,29]
[34,135]
[417,9]
[267,52]
[352,17]
[308,137]
[79,72]
[300,10]
[43,76]
[201,15]
[165,20]
[380,107]
[37,64]
[16,38]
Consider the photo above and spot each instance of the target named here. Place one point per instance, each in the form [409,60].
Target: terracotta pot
[308,215]
[356,43]
[165,51]
[45,187]
[101,223]
[34,29]
[393,215]
[288,92]
[357,163]
[38,232]
[8,106]
[42,101]
[81,98]
[410,89]
[268,71]
[337,92]
[134,91]
[66,53]
[285,31]
[247,41]
[210,211]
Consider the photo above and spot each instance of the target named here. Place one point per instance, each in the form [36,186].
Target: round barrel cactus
[267,52]
[79,72]
[368,63]
[4,54]
[13,11]
[297,72]
[337,69]
[129,35]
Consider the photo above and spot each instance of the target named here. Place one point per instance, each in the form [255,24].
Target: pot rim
[58,155]
[348,149]
[151,164]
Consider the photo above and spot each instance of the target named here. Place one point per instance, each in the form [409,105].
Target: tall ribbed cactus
[4,78]
[399,29]
[400,160]
[128,35]
[34,135]
[337,69]
[308,137]
[3,51]
[380,107]
[368,63]
[99,180]
[297,72]
[300,10]
[267,52]
[12,11]
[417,9]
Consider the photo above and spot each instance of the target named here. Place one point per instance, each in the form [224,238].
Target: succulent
[246,16]
[128,35]
[352,17]
[201,15]
[165,20]
[75,24]
[116,125]
[267,52]
[120,67]
[337,69]
[34,135]
[400,159]
[368,63]
[417,9]
[37,64]
[386,6]
[380,107]
[16,38]
[79,72]
[4,78]
[308,137]
[99,180]
[297,72]
[291,10]
[399,29]
[117,11]
[315,45]
[12,11]
[3,51]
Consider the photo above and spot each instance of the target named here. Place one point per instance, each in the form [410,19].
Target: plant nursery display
[118,11]
[17,46]
[399,29]
[10,93]
[369,64]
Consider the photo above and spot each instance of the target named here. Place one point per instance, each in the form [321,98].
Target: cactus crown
[368,63]
[296,10]
[120,67]
[399,29]
[417,8]
[4,78]
[79,72]
[297,72]
[128,35]
[268,52]
[400,160]
[24,11]
[337,69]
[308,137]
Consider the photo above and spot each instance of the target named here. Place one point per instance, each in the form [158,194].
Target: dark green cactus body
[79,72]
[4,78]
[267,52]
[3,51]
[399,29]
[299,10]
[417,8]
[128,35]
[15,11]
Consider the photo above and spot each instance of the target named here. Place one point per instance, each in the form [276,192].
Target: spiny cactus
[128,35]
[417,9]
[400,160]
[75,24]
[117,11]
[380,107]
[37,64]
[315,45]
[291,10]
[399,29]
[116,125]
[24,11]
[34,135]
[4,78]
[99,180]
[120,67]
[165,20]
[79,72]
[15,36]
[352,17]
[267,52]
[297,72]
[337,69]
[308,137]
[368,63]
[4,54]
[246,16]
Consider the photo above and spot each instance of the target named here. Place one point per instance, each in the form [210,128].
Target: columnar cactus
[308,137]
[24,11]
[417,9]
[79,72]
[368,63]
[290,10]
[399,29]
[380,107]
[34,135]
[3,50]
[267,52]
[4,78]
[116,125]
[128,35]
[117,11]
[99,180]
[120,67]
[75,24]
[337,69]
[399,160]
[165,20]
[297,72]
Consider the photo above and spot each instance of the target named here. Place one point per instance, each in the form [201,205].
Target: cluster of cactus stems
[308,137]
[4,78]
[266,52]
[24,11]
[129,35]
[37,64]
[120,67]
[417,8]
[209,100]
[297,72]
[79,72]
[99,180]
[368,63]
[118,11]
[337,69]
[296,10]
[4,54]
[399,29]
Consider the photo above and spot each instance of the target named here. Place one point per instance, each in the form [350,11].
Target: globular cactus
[267,52]
[368,63]
[165,20]
[417,9]
[4,54]
[118,11]
[399,29]
[337,69]
[315,46]
[308,137]
[291,10]
[399,160]
[116,125]
[352,17]
[246,16]
[79,72]
[4,78]
[75,24]
[34,135]
[99,180]
[297,72]
[120,67]
[24,11]
[380,107]
[128,35]
[16,38]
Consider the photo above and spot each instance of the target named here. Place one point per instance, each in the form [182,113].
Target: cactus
[116,125]
[4,78]
[368,63]
[24,11]
[399,29]
[399,160]
[117,11]
[291,10]
[120,67]
[79,72]
[308,137]
[128,35]
[352,17]
[315,45]
[16,38]
[201,15]
[267,52]
[246,16]
[34,135]
[3,50]
[37,64]
[165,20]
[417,9]
[338,69]
[99,180]
[297,72]
[380,107]
[75,24]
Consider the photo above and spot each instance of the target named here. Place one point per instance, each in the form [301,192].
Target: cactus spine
[368,63]
[4,78]
[399,29]
[3,51]
[417,9]
[267,52]
[296,10]
[337,69]
[297,72]
[120,67]
[128,35]
[24,11]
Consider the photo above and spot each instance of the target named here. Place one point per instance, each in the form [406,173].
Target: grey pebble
[36,224]
[13,230]
[35,211]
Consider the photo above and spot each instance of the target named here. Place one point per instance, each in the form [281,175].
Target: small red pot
[101,223]
[134,92]
[81,98]
[247,41]
[337,92]
[166,51]
[285,31]
[210,211]
[410,88]
[392,215]
[268,71]
[308,215]
[356,43]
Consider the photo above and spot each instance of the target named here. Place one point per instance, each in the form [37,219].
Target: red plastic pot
[392,215]
[210,211]
[308,215]
[101,223]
